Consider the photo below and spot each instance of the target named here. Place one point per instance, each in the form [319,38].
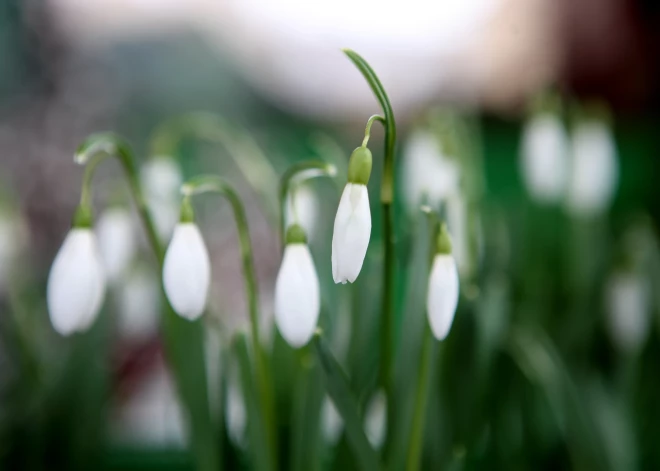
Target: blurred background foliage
[531,375]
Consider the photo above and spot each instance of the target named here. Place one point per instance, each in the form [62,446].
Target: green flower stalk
[214,184]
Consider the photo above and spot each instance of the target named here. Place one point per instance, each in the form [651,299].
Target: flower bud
[350,238]
[297,291]
[187,271]
[76,283]
[359,166]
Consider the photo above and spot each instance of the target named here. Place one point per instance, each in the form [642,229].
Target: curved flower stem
[386,199]
[215,184]
[240,146]
[183,339]
[367,130]
[295,175]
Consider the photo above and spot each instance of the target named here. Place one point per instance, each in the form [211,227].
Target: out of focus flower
[331,422]
[139,304]
[76,284]
[442,296]
[161,179]
[302,207]
[457,223]
[375,419]
[350,238]
[235,415]
[628,300]
[429,176]
[153,415]
[297,291]
[12,240]
[595,168]
[117,241]
[187,271]
[544,157]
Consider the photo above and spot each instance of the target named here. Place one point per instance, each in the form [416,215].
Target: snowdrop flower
[544,157]
[76,283]
[302,207]
[297,292]
[442,296]
[352,230]
[236,415]
[595,170]
[375,419]
[139,304]
[187,268]
[117,241]
[161,179]
[429,176]
[332,423]
[628,310]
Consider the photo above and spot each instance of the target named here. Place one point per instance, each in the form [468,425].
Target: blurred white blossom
[331,422]
[139,304]
[375,419]
[161,179]
[544,158]
[12,241]
[628,300]
[594,170]
[235,413]
[301,208]
[117,241]
[429,176]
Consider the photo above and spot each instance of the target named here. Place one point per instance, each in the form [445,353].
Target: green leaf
[337,387]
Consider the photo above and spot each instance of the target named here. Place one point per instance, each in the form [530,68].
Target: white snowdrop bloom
[117,241]
[350,238]
[331,422]
[235,415]
[187,271]
[595,169]
[297,291]
[442,297]
[628,302]
[429,176]
[76,283]
[442,294]
[302,208]
[544,158]
[139,305]
[457,223]
[161,179]
[375,419]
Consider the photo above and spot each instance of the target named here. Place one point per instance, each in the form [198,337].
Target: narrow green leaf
[306,424]
[337,387]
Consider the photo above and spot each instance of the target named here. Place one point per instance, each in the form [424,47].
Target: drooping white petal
[352,230]
[442,296]
[139,305]
[375,420]
[301,208]
[76,283]
[331,422]
[117,241]
[297,296]
[187,271]
[628,310]
[544,158]
[595,169]
[429,176]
